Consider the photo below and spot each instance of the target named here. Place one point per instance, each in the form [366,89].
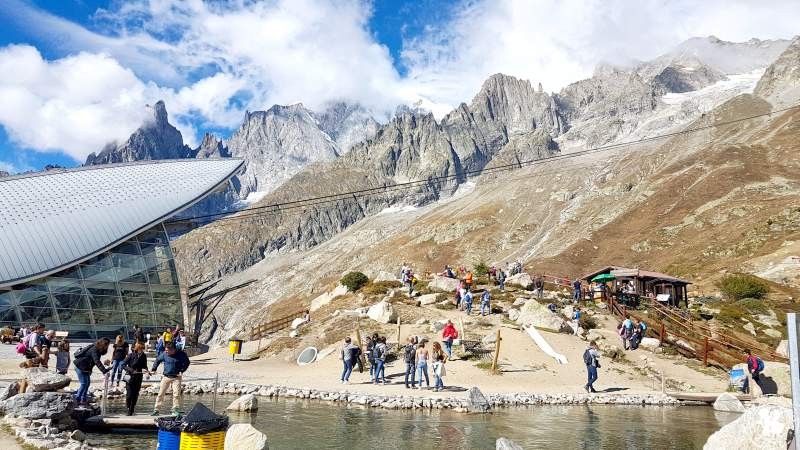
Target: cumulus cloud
[211,61]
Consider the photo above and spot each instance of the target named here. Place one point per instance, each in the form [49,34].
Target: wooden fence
[274,325]
[694,339]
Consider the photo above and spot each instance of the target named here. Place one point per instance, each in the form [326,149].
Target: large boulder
[382,312]
[775,379]
[39,405]
[243,436]
[327,297]
[521,279]
[506,444]
[650,344]
[385,276]
[594,335]
[513,314]
[535,314]
[443,284]
[762,427]
[9,391]
[726,402]
[245,403]
[42,380]
[476,401]
[428,299]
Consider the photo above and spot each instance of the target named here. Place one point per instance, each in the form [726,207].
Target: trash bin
[203,429]
[235,347]
[169,432]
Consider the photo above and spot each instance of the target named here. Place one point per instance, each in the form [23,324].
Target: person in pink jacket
[448,334]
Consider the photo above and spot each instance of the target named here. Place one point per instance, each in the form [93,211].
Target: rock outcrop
[245,403]
[443,284]
[535,314]
[762,427]
[506,444]
[42,380]
[781,81]
[477,402]
[382,312]
[39,405]
[243,436]
[726,402]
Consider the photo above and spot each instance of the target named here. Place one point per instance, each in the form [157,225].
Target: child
[62,357]
[438,372]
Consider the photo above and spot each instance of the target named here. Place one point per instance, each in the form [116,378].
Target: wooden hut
[665,288]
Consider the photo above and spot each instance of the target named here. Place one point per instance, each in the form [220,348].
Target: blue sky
[77,74]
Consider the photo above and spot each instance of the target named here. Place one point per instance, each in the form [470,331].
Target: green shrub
[753,306]
[481,268]
[587,322]
[731,313]
[354,281]
[739,286]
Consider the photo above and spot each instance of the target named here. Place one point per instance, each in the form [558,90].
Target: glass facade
[133,283]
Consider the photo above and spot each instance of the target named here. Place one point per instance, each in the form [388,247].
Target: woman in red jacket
[448,334]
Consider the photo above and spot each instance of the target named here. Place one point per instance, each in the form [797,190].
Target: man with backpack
[410,358]
[379,354]
[626,332]
[485,303]
[576,290]
[576,320]
[85,360]
[755,365]
[591,358]
[501,279]
[468,301]
[348,356]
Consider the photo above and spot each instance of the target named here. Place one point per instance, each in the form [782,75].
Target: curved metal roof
[55,219]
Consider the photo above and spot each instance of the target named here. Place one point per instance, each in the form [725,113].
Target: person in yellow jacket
[168,335]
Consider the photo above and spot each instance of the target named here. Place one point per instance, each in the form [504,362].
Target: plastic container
[235,347]
[209,441]
[169,440]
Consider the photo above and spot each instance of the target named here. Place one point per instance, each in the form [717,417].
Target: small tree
[481,268]
[738,286]
[354,281]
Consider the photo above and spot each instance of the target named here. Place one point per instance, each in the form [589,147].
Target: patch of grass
[422,288]
[484,323]
[445,306]
[753,306]
[732,313]
[587,322]
[738,286]
[487,366]
[380,287]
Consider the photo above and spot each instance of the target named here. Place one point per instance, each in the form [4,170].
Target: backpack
[379,352]
[410,352]
[587,357]
[760,364]
[576,315]
[355,352]
[643,326]
[755,363]
[82,353]
[22,348]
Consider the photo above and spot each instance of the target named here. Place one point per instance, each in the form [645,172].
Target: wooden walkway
[704,397]
[140,422]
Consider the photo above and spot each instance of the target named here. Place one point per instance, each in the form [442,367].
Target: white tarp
[544,346]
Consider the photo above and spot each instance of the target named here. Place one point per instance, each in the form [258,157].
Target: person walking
[449,333]
[85,360]
[180,340]
[438,372]
[501,279]
[62,357]
[755,365]
[538,285]
[118,355]
[458,298]
[380,361]
[135,366]
[626,332]
[371,342]
[410,358]
[138,334]
[175,364]
[348,360]
[468,280]
[576,320]
[422,365]
[576,290]
[591,357]
[485,305]
[468,302]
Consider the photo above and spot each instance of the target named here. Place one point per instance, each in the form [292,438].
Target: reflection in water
[309,424]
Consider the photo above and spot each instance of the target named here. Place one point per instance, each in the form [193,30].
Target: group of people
[417,357]
[464,299]
[631,331]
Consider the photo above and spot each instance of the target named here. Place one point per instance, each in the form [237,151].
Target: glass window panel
[99,273]
[163,277]
[170,308]
[128,275]
[128,248]
[72,272]
[70,301]
[77,332]
[133,262]
[101,260]
[168,320]
[138,304]
[75,316]
[38,286]
[133,290]
[6,298]
[108,318]
[33,298]
[141,319]
[165,292]
[157,250]
[100,287]
[33,314]
[64,285]
[153,235]
[106,303]
[8,315]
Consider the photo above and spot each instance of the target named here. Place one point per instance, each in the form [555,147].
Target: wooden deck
[704,397]
[141,422]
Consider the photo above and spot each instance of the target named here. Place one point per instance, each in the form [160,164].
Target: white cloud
[556,42]
[212,60]
[7,167]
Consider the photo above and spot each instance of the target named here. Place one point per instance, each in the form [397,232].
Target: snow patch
[398,209]
[253,197]
[711,96]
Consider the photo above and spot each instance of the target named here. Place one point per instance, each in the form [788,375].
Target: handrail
[259,331]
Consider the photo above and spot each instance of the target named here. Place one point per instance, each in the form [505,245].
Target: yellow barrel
[209,441]
[235,347]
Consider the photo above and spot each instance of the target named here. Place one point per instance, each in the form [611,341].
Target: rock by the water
[506,444]
[78,435]
[568,311]
[243,436]
[245,403]
[772,333]
[521,279]
[775,379]
[762,427]
[42,380]
[39,405]
[382,312]
[443,284]
[476,401]
[535,314]
[728,403]
[428,299]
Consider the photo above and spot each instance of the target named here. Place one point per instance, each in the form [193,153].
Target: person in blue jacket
[175,364]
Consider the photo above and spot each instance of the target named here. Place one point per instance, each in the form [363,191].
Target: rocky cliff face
[156,139]
[347,124]
[211,147]
[781,81]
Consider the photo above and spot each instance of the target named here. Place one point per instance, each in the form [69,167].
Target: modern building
[86,250]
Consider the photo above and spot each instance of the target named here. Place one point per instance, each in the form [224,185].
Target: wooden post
[361,358]
[496,351]
[463,334]
[663,336]
[705,351]
[398,331]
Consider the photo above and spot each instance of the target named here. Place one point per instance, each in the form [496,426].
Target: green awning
[603,277]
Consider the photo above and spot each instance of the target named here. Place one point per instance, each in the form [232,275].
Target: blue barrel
[169,440]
